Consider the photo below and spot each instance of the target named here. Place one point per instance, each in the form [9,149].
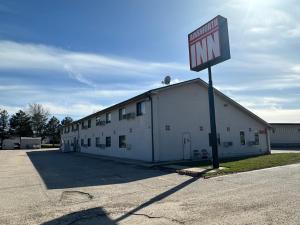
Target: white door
[186,140]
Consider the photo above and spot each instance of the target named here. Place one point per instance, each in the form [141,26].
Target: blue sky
[77,57]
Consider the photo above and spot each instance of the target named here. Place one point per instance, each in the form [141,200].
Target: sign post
[209,45]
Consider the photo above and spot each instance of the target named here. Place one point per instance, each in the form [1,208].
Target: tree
[52,130]
[20,124]
[39,116]
[66,121]
[4,125]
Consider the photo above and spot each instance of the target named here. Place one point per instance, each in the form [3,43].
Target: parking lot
[48,187]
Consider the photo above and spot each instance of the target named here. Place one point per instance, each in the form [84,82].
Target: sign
[209,44]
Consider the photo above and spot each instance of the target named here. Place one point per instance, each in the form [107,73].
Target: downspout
[152,136]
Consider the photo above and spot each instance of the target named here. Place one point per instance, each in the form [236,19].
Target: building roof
[290,124]
[153,91]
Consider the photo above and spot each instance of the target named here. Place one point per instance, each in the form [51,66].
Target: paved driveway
[49,188]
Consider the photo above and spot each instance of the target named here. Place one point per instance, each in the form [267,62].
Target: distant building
[285,135]
[21,143]
[30,142]
[169,123]
[11,143]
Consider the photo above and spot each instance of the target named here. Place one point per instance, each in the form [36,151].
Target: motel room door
[186,142]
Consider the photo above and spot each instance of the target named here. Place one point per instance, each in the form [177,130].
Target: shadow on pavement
[93,216]
[157,198]
[97,215]
[60,170]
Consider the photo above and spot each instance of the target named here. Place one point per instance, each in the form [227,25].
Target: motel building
[169,123]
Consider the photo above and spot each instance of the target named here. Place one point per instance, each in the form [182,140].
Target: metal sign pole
[213,128]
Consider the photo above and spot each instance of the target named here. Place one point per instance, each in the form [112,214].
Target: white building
[169,123]
[285,135]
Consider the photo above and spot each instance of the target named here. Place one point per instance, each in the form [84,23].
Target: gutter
[152,136]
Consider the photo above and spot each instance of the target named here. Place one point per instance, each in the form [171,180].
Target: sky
[78,57]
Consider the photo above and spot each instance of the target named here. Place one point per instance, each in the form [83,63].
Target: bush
[50,145]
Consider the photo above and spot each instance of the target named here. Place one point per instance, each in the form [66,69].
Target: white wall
[139,139]
[185,109]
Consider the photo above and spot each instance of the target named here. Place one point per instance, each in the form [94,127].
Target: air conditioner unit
[227,143]
[129,116]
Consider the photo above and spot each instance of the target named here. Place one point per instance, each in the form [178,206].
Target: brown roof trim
[285,124]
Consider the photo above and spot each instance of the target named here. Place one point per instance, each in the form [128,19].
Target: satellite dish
[167,80]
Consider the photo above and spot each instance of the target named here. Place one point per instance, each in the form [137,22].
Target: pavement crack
[158,217]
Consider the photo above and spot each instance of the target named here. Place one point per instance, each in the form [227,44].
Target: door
[186,140]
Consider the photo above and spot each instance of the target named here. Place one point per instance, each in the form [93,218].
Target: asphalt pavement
[50,188]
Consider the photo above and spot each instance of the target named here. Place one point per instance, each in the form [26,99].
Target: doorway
[186,143]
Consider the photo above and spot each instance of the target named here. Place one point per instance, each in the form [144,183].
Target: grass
[236,165]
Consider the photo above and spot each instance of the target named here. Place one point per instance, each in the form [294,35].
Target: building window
[108,117]
[97,121]
[242,138]
[168,127]
[122,113]
[97,141]
[82,142]
[228,129]
[89,123]
[250,129]
[201,128]
[108,141]
[89,142]
[122,141]
[140,108]
[256,138]
[82,125]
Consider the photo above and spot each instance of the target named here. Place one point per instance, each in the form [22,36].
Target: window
[167,127]
[242,138]
[256,138]
[140,108]
[108,141]
[122,112]
[89,123]
[82,142]
[122,141]
[228,129]
[82,125]
[98,121]
[89,142]
[108,117]
[97,141]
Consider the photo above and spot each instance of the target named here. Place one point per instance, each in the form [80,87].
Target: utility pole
[213,128]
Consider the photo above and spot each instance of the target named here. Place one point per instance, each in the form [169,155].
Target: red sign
[209,44]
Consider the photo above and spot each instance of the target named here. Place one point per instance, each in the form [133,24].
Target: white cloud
[78,65]
[278,115]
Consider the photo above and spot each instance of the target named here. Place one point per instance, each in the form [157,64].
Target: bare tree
[39,117]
